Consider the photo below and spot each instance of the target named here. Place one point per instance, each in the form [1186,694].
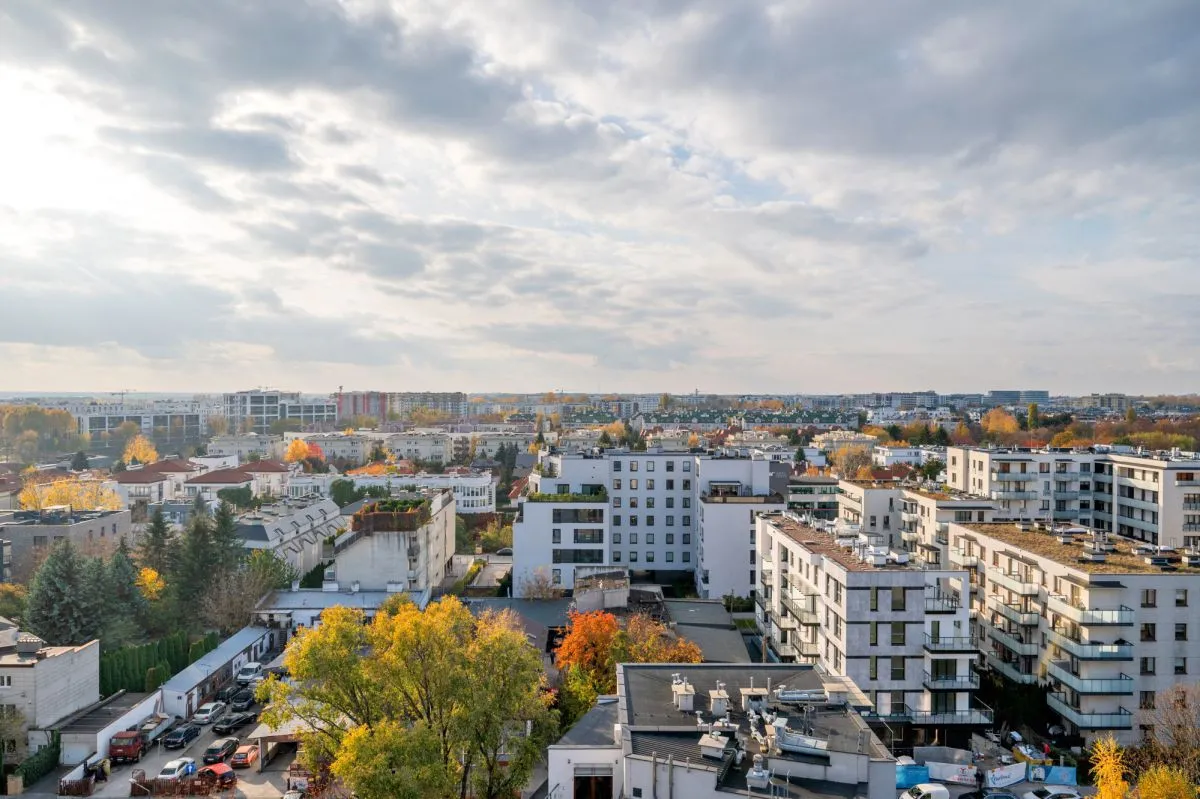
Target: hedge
[135,668]
[40,763]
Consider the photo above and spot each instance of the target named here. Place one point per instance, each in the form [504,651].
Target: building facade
[91,531]
[474,492]
[255,411]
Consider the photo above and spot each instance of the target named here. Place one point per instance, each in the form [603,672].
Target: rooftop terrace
[824,542]
[1046,545]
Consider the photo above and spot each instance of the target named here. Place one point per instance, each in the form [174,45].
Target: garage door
[74,751]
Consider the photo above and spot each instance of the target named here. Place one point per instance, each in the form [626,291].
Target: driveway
[497,566]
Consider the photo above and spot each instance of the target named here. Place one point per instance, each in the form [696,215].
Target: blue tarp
[908,776]
[1055,775]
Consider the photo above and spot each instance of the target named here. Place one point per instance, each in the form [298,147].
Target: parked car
[242,700]
[226,693]
[504,551]
[220,773]
[245,756]
[181,736]
[927,790]
[251,672]
[178,769]
[220,749]
[989,793]
[234,722]
[210,712]
[1053,792]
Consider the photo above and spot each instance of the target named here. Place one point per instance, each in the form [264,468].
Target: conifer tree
[155,551]
[228,549]
[58,598]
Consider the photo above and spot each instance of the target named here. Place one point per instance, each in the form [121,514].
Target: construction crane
[122,393]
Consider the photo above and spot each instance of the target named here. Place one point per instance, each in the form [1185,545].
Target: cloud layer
[619,195]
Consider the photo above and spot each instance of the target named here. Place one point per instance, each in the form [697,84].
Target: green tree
[14,598]
[59,600]
[238,497]
[1033,419]
[931,469]
[228,549]
[191,562]
[157,541]
[1131,414]
[79,461]
[344,492]
[605,440]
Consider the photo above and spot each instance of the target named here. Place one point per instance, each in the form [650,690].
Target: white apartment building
[835,441]
[430,446]
[654,510]
[295,530]
[887,455]
[873,505]
[705,731]
[179,419]
[1106,623]
[45,684]
[488,442]
[355,448]
[474,492]
[1149,498]
[813,496]
[244,446]
[835,595]
[731,491]
[925,516]
[255,411]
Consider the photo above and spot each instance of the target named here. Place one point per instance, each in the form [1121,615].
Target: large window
[578,516]
[578,556]
[589,535]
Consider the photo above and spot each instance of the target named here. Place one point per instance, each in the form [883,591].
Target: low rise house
[32,530]
[199,682]
[43,685]
[293,529]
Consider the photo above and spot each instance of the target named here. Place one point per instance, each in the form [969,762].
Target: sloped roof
[171,466]
[139,477]
[260,467]
[221,477]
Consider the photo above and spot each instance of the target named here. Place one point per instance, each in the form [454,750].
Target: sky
[601,195]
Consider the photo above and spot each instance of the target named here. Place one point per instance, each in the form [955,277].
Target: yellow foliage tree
[80,494]
[998,421]
[864,473]
[1165,782]
[693,440]
[1063,439]
[849,460]
[1108,769]
[296,451]
[150,583]
[878,432]
[140,450]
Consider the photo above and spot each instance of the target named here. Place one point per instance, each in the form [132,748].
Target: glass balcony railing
[941,603]
[954,682]
[1007,494]
[1016,614]
[1013,476]
[1015,643]
[1113,686]
[944,643]
[1018,583]
[975,716]
[1088,617]
[1011,671]
[1090,651]
[960,558]
[1122,719]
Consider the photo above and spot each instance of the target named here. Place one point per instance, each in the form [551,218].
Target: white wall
[78,746]
[562,761]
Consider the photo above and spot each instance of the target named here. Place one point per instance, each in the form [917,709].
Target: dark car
[220,749]
[181,736]
[242,700]
[234,722]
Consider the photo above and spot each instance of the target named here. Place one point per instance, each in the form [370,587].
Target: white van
[251,672]
[927,790]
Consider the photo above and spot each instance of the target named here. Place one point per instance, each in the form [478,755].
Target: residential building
[91,531]
[1118,403]
[427,446]
[10,491]
[886,455]
[293,529]
[44,684]
[474,491]
[210,485]
[487,443]
[255,411]
[704,731]
[362,403]
[6,560]
[452,403]
[873,505]
[250,445]
[1010,397]
[163,419]
[264,478]
[730,491]
[813,496]
[925,516]
[836,595]
[835,441]
[162,481]
[354,447]
[1108,624]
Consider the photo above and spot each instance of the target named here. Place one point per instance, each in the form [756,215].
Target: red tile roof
[259,467]
[221,477]
[139,477]
[171,466]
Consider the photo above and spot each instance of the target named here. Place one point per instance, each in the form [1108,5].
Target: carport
[269,739]
[88,732]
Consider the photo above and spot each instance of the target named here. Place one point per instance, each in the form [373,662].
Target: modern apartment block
[1151,498]
[176,419]
[873,505]
[255,411]
[813,496]
[1107,623]
[453,403]
[838,596]
[92,531]
[474,492]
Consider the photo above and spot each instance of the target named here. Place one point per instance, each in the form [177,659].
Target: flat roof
[826,544]
[99,717]
[946,496]
[200,671]
[594,728]
[1045,545]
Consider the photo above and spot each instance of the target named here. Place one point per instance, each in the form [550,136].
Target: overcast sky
[600,194]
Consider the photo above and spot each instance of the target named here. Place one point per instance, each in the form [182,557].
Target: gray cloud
[252,151]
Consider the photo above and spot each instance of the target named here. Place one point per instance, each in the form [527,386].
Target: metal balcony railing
[1122,719]
[1011,671]
[957,682]
[1061,671]
[1090,651]
[1089,617]
[944,643]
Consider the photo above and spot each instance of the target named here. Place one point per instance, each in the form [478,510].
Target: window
[753,555]
[616,502]
[1148,632]
[872,521]
[556,576]
[670,502]
[589,536]
[6,681]
[637,793]
[650,521]
[874,668]
[633,538]
[617,484]
[556,536]
[633,484]
[650,537]
[616,538]
[670,557]
[1147,665]
[670,521]
[687,557]
[1146,700]
[649,557]
[1180,631]
[1181,597]
[649,485]
[633,466]
[649,502]
[1149,598]
[670,467]
[616,466]
[616,521]
[616,557]
[649,466]
[874,599]
[633,502]
[897,668]
[874,633]
[1181,665]
[687,502]
[897,599]
[686,522]
[670,537]
[670,484]
[898,633]
[687,467]
[687,538]
[687,485]
[633,557]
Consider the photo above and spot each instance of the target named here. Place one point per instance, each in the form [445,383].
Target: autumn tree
[80,493]
[14,598]
[296,451]
[233,593]
[1172,727]
[962,435]
[1165,782]
[693,441]
[218,425]
[139,450]
[999,422]
[1032,417]
[1109,769]
[539,586]
[849,460]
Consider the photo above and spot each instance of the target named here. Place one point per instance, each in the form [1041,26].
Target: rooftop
[947,496]
[1044,544]
[594,728]
[221,477]
[100,716]
[140,477]
[212,662]
[821,541]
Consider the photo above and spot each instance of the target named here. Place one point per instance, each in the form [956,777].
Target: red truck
[126,746]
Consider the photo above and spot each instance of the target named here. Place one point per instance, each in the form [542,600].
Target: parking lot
[251,784]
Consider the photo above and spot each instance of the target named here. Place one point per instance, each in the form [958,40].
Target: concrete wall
[381,558]
[66,683]
[726,547]
[103,531]
[76,747]
[562,760]
[683,781]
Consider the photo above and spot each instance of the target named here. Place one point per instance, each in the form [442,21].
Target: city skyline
[786,198]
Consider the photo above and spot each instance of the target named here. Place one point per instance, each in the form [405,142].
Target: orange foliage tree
[998,421]
[140,450]
[596,643]
[298,450]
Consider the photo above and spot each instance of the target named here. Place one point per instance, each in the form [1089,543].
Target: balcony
[933,718]
[1065,494]
[1017,615]
[1189,527]
[1149,527]
[808,649]
[1089,617]
[767,576]
[945,643]
[1118,686]
[1014,644]
[1066,514]
[1011,671]
[1121,720]
[910,535]
[897,715]
[960,558]
[942,538]
[1191,506]
[798,607]
[1007,494]
[941,603]
[1013,476]
[1141,504]
[1018,583]
[969,682]
[1088,651]
[1186,481]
